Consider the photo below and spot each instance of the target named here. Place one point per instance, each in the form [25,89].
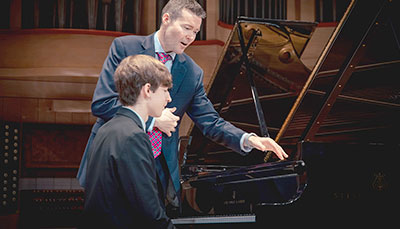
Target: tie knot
[164,57]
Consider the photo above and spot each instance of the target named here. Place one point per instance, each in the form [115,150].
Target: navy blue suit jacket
[188,95]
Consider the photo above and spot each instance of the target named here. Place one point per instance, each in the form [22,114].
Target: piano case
[338,121]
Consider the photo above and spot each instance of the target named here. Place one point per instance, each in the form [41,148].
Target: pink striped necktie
[155,135]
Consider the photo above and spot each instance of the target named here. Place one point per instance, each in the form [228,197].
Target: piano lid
[353,92]
[351,95]
[272,51]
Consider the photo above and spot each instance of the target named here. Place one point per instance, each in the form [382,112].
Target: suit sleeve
[206,118]
[105,101]
[138,179]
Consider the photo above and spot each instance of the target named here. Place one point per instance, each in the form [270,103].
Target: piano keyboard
[248,218]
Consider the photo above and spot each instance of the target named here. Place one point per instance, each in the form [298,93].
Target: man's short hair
[174,8]
[134,72]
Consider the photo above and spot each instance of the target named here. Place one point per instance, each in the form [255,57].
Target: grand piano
[338,122]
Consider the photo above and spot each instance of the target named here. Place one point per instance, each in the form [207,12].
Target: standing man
[181,21]
[121,189]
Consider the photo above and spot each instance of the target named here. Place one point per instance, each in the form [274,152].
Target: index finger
[172,109]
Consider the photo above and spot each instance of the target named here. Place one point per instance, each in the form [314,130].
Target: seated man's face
[158,100]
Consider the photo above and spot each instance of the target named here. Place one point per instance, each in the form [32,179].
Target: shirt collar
[140,118]
[158,47]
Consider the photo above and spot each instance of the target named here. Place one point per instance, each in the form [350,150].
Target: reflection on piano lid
[351,97]
[270,74]
[217,181]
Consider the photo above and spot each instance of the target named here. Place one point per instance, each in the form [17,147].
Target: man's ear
[166,18]
[146,90]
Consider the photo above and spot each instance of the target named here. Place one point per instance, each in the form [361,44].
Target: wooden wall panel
[45,113]
[54,145]
[1,109]
[12,109]
[29,110]
[24,50]
[63,117]
[80,118]
[74,106]
[47,80]
[38,89]
[49,76]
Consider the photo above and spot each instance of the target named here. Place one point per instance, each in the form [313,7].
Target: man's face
[159,99]
[179,34]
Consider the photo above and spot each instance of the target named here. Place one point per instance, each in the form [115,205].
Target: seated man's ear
[146,90]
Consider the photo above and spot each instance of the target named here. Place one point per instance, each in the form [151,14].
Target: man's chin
[180,49]
[155,114]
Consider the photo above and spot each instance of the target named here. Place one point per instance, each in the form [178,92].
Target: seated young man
[122,188]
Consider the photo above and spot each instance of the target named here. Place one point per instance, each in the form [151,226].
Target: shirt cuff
[245,138]
[151,126]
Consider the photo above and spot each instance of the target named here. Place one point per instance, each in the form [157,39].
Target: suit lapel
[178,72]
[148,46]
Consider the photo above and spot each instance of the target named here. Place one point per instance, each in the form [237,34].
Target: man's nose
[169,99]
[191,36]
